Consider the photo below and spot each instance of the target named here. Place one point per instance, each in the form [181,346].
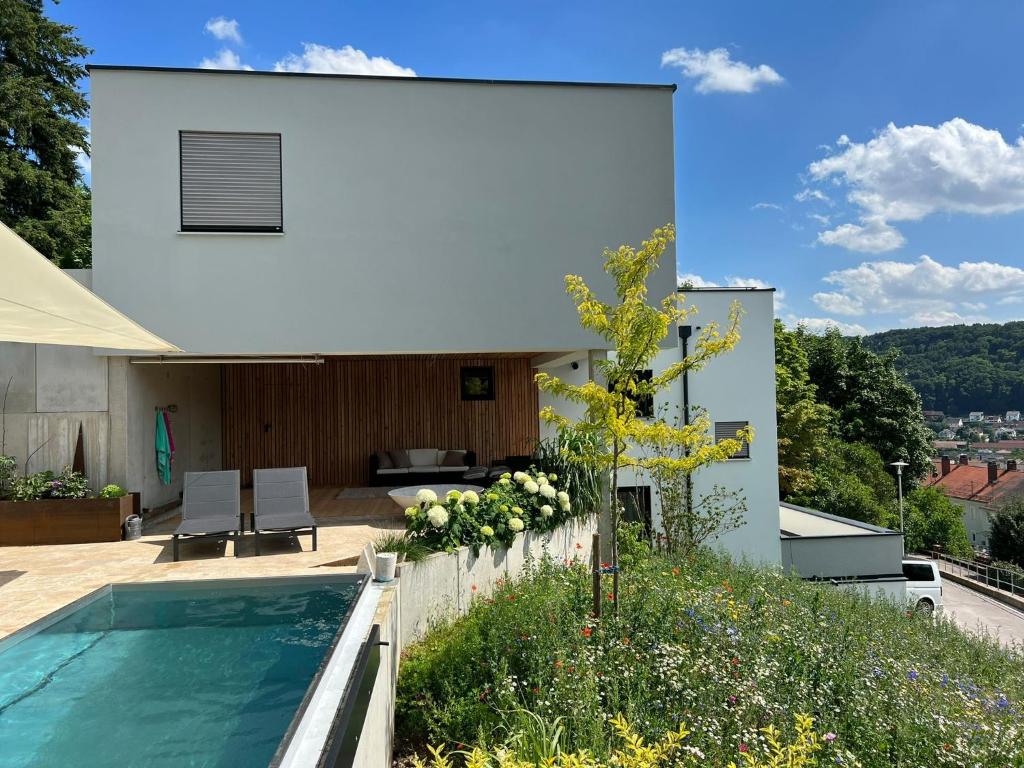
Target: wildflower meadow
[725,650]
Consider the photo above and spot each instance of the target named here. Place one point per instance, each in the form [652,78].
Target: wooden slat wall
[330,417]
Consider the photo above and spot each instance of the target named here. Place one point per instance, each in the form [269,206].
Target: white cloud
[822,324]
[715,72]
[909,173]
[821,219]
[731,281]
[807,193]
[224,29]
[872,235]
[688,278]
[765,207]
[922,292]
[340,61]
[226,59]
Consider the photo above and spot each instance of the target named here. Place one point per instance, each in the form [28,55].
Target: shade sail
[39,304]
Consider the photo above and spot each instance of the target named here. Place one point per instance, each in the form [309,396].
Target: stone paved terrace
[35,581]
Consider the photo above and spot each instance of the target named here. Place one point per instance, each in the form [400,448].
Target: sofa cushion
[445,451]
[422,457]
[384,460]
[461,468]
[400,458]
[453,459]
[394,471]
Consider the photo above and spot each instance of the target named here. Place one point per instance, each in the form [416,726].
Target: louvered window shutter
[230,182]
[726,430]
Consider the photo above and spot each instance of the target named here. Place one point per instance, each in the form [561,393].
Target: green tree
[851,480]
[42,195]
[931,518]
[1006,535]
[803,423]
[872,401]
[634,330]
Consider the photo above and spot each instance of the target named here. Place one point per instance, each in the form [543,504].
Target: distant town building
[947,434]
[933,415]
[978,489]
[954,423]
[993,419]
[1012,416]
[976,416]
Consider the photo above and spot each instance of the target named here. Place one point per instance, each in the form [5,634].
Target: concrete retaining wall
[377,737]
[441,587]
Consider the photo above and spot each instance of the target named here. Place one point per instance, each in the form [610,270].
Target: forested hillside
[961,368]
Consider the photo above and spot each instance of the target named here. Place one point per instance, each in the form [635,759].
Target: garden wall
[441,586]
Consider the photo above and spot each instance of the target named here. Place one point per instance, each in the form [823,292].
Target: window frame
[213,229]
[744,453]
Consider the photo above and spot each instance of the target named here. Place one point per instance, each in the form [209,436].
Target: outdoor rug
[364,493]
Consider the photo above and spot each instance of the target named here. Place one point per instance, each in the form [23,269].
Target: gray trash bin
[133,528]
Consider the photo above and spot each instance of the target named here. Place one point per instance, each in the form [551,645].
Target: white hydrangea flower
[438,516]
[520,477]
[470,497]
[562,496]
[531,487]
[426,496]
[548,491]
[547,511]
[552,477]
[541,479]
[516,524]
[505,481]
[411,512]
[454,495]
[486,530]
[565,505]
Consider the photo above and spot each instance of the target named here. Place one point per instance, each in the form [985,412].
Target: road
[972,611]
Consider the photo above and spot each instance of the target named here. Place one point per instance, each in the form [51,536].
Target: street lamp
[899,479]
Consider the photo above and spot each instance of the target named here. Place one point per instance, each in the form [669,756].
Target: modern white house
[334,253]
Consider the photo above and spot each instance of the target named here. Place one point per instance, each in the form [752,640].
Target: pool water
[169,675]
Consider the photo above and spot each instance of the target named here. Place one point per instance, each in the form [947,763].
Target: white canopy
[39,304]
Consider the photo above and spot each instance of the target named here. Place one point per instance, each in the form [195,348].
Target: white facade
[419,216]
[737,386]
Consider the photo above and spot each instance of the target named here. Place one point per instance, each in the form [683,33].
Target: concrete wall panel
[70,379]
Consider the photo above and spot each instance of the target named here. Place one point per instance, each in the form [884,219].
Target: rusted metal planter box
[63,521]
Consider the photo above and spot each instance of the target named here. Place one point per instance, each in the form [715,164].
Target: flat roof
[479,81]
[723,289]
[801,522]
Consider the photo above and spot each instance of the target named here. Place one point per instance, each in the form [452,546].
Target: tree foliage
[803,422]
[42,195]
[1006,535]
[960,368]
[872,402]
[634,329]
[931,518]
[851,481]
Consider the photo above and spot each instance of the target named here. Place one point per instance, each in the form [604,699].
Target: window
[644,403]
[726,430]
[918,572]
[636,505]
[230,182]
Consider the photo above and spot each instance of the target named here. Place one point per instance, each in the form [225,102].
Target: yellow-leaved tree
[634,331]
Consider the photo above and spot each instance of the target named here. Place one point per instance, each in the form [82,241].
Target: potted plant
[392,548]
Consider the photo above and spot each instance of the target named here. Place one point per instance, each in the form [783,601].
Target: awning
[39,304]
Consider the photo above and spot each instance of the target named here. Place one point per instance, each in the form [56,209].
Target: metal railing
[992,575]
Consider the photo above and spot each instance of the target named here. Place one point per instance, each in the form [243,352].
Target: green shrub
[47,485]
[112,491]
[516,503]
[8,466]
[401,544]
[729,650]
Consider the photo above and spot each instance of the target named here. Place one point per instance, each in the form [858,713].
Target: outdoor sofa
[419,466]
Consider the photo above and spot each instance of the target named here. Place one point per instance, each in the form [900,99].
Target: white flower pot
[384,566]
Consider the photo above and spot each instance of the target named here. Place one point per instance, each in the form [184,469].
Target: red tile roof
[971,483]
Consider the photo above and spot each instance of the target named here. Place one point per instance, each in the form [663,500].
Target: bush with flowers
[517,502]
[728,649]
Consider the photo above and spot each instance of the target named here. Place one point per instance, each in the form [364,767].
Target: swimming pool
[210,674]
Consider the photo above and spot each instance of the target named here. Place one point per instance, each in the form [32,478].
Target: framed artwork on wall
[476,382]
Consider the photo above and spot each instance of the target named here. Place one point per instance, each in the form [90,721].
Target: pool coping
[304,740]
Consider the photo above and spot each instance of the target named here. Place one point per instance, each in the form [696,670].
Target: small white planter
[384,566]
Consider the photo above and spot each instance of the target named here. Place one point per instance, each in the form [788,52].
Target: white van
[924,585]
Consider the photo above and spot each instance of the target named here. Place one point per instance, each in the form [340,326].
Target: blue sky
[864,158]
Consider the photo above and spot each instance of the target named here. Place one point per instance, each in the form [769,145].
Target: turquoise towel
[163,450]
